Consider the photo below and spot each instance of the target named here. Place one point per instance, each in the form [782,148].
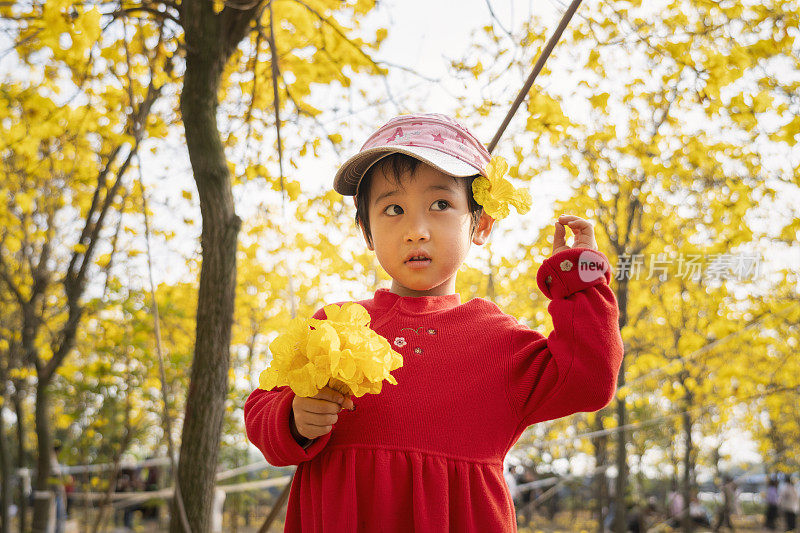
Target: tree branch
[235,20]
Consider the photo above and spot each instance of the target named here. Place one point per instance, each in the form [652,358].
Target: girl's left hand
[584,234]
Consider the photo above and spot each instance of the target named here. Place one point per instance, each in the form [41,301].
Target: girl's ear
[483,229]
[370,247]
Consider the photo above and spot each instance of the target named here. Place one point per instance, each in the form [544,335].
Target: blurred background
[133,131]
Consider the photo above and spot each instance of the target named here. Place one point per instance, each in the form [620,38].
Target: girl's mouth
[418,262]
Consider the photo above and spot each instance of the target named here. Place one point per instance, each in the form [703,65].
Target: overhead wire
[537,67]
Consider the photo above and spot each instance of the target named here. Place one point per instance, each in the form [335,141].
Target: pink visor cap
[435,139]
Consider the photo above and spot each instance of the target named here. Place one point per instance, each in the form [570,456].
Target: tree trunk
[210,39]
[621,483]
[5,472]
[42,495]
[620,514]
[600,479]
[640,491]
[686,481]
[21,463]
[205,402]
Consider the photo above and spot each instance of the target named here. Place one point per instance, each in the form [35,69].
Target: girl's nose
[417,230]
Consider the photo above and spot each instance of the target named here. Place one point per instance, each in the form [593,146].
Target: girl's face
[421,231]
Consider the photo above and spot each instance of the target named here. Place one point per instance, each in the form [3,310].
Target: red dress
[427,454]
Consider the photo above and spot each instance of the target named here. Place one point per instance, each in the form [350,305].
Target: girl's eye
[393,210]
[440,205]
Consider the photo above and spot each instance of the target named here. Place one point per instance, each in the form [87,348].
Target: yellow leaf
[599,101]
[293,190]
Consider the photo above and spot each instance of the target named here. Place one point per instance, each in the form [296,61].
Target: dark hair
[402,164]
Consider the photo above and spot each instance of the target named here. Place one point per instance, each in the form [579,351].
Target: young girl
[427,454]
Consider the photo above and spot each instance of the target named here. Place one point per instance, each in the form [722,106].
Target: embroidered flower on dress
[399,342]
[417,350]
[495,193]
[341,352]
[431,331]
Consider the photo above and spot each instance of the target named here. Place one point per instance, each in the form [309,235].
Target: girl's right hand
[315,416]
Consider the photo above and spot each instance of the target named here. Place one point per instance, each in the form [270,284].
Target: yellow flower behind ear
[495,193]
[340,352]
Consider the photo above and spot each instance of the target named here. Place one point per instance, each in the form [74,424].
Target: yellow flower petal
[302,381]
[349,313]
[346,370]
[495,193]
[322,341]
[497,167]
[268,379]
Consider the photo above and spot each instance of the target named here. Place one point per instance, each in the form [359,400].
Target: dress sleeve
[267,417]
[575,368]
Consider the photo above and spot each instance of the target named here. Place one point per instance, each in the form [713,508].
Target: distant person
[675,506]
[553,504]
[151,508]
[639,516]
[129,480]
[728,505]
[59,491]
[788,503]
[69,490]
[526,495]
[698,512]
[511,480]
[771,513]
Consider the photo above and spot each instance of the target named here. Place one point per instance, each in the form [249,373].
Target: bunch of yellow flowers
[496,194]
[341,352]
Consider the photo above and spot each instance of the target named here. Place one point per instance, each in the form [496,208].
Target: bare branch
[497,20]
[6,277]
[160,15]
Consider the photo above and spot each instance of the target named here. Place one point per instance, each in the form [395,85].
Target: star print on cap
[435,139]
